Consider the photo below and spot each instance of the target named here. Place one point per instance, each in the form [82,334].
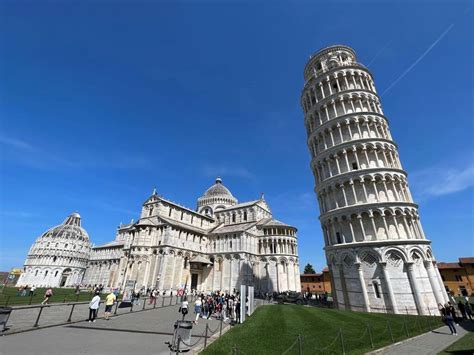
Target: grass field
[273,329]
[8,295]
[464,346]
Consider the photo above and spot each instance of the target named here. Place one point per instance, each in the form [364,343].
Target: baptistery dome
[59,256]
[216,198]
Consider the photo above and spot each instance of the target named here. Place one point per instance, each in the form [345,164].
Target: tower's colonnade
[377,252]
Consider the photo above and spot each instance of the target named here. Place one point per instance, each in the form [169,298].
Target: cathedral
[219,246]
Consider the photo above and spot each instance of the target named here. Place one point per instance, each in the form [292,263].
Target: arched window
[245,216]
[233,217]
[46,273]
[55,274]
[36,273]
[54,259]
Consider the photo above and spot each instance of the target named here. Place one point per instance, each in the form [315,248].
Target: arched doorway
[64,277]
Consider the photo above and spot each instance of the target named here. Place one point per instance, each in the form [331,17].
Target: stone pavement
[130,333]
[24,317]
[429,343]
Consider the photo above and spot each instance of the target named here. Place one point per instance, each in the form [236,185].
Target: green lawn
[464,346]
[8,295]
[273,329]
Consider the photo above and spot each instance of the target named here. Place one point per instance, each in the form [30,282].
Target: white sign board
[251,304]
[243,303]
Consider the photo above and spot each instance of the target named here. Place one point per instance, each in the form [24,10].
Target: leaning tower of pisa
[377,252]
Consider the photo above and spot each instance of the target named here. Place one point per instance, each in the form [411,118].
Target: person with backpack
[447,318]
[197,309]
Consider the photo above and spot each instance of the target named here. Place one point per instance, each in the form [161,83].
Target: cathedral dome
[218,189]
[217,197]
[59,256]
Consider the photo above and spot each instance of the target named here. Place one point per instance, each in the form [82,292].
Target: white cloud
[438,181]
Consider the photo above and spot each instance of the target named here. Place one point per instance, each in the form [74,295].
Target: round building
[58,258]
[377,252]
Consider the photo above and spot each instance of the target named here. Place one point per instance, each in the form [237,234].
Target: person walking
[93,307]
[452,311]
[47,295]
[462,309]
[468,309]
[109,302]
[32,290]
[447,318]
[237,310]
[197,309]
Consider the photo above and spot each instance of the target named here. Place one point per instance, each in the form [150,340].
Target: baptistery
[59,257]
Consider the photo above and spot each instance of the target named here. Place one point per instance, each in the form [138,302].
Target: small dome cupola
[217,197]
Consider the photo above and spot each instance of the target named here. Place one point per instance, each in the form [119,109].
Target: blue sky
[101,102]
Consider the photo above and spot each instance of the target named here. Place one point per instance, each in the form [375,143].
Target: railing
[28,321]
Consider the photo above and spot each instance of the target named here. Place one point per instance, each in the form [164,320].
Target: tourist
[237,310]
[462,309]
[468,309]
[452,311]
[93,307]
[448,318]
[197,309]
[153,294]
[109,302]
[32,290]
[47,295]
[23,292]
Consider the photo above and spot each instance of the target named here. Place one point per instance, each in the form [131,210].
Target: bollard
[390,331]
[177,345]
[220,327]
[342,342]
[163,303]
[171,300]
[406,328]
[131,306]
[31,297]
[144,303]
[8,299]
[116,306]
[370,337]
[38,318]
[70,314]
[419,325]
[154,302]
[300,344]
[205,336]
[77,297]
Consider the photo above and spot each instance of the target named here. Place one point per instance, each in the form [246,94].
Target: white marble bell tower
[377,252]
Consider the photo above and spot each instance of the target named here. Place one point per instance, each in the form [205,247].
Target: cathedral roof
[218,189]
[233,228]
[271,222]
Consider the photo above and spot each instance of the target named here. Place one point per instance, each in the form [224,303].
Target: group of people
[449,316]
[94,305]
[218,305]
[24,290]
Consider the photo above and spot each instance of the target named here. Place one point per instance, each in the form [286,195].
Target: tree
[308,269]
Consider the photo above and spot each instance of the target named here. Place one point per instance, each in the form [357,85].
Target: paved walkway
[428,344]
[24,317]
[132,333]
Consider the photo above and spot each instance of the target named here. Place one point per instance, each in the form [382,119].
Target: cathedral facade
[219,246]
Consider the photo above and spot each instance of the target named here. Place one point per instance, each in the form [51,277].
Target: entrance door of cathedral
[194,281]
